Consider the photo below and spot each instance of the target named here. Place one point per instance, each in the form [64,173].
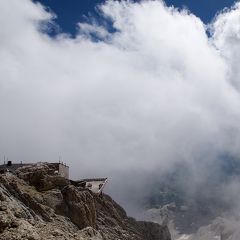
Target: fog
[161,89]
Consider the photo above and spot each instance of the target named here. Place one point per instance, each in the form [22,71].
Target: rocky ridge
[36,204]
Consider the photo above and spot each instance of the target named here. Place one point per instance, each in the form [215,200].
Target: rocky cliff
[36,204]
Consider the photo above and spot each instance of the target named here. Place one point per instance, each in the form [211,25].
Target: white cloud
[155,92]
[226,36]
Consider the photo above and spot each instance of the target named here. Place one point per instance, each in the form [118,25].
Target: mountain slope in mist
[198,208]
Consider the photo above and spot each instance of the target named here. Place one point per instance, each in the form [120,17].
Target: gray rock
[36,204]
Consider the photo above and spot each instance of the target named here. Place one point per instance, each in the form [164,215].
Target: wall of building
[63,170]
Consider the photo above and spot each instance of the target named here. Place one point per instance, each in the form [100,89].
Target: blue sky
[72,11]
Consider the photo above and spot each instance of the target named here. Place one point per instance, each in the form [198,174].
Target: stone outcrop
[36,204]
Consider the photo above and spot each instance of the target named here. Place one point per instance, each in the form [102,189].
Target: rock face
[36,204]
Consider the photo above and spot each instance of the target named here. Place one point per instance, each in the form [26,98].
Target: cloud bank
[155,92]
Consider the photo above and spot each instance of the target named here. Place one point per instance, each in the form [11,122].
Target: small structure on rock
[96,185]
[59,167]
[62,169]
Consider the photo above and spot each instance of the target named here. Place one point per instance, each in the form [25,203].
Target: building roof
[95,185]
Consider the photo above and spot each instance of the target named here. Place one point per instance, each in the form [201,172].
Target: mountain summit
[36,203]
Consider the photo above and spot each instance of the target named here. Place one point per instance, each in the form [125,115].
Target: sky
[72,11]
[162,89]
